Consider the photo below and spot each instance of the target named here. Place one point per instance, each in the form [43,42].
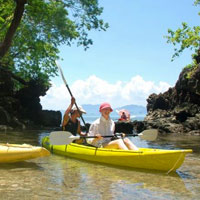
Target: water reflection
[182,142]
[14,137]
[20,166]
[104,182]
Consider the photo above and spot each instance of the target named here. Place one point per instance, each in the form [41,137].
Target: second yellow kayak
[15,152]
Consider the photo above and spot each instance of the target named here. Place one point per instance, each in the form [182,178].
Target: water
[57,177]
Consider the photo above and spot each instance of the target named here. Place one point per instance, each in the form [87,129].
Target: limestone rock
[178,109]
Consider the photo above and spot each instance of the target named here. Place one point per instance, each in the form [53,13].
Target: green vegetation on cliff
[186,37]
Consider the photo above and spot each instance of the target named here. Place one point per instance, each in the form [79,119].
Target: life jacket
[71,127]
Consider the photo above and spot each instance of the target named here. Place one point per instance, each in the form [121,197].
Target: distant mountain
[133,109]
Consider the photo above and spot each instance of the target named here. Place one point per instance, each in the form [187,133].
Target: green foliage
[6,15]
[197,2]
[192,70]
[44,27]
[189,66]
[185,37]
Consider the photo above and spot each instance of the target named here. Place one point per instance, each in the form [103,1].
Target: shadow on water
[20,165]
[185,175]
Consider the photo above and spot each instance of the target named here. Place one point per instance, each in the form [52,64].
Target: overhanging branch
[19,10]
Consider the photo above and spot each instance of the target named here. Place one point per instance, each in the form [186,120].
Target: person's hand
[99,137]
[73,101]
[82,134]
[123,135]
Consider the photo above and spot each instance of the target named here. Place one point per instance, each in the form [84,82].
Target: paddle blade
[61,73]
[60,138]
[149,135]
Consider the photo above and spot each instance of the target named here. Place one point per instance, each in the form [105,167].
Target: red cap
[105,105]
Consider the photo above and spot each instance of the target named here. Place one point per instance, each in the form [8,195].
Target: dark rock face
[130,127]
[50,118]
[4,116]
[6,85]
[123,127]
[22,109]
[178,109]
[29,100]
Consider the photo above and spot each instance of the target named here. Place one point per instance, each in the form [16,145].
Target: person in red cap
[106,126]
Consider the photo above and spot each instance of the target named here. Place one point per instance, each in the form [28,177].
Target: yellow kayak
[15,152]
[145,158]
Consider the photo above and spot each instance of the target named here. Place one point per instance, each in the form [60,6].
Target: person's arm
[66,115]
[112,127]
[93,131]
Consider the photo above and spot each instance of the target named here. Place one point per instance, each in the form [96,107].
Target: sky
[129,61]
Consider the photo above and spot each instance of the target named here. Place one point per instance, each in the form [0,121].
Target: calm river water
[57,177]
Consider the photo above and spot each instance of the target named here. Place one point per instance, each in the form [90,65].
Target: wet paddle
[64,137]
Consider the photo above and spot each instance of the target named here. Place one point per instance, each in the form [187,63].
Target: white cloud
[95,91]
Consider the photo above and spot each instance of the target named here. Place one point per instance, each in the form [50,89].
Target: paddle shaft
[107,136]
[77,107]
[64,80]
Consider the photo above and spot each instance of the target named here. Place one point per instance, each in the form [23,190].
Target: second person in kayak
[106,126]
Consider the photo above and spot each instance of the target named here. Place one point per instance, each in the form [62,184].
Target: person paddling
[70,120]
[106,126]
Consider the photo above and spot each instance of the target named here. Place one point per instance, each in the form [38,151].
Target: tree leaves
[44,27]
[185,37]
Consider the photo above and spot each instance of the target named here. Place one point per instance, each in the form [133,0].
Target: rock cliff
[21,109]
[177,110]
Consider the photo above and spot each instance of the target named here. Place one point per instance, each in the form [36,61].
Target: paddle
[64,80]
[64,137]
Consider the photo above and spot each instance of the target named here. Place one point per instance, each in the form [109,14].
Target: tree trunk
[19,10]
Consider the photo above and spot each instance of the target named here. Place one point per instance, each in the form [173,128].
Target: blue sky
[130,60]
